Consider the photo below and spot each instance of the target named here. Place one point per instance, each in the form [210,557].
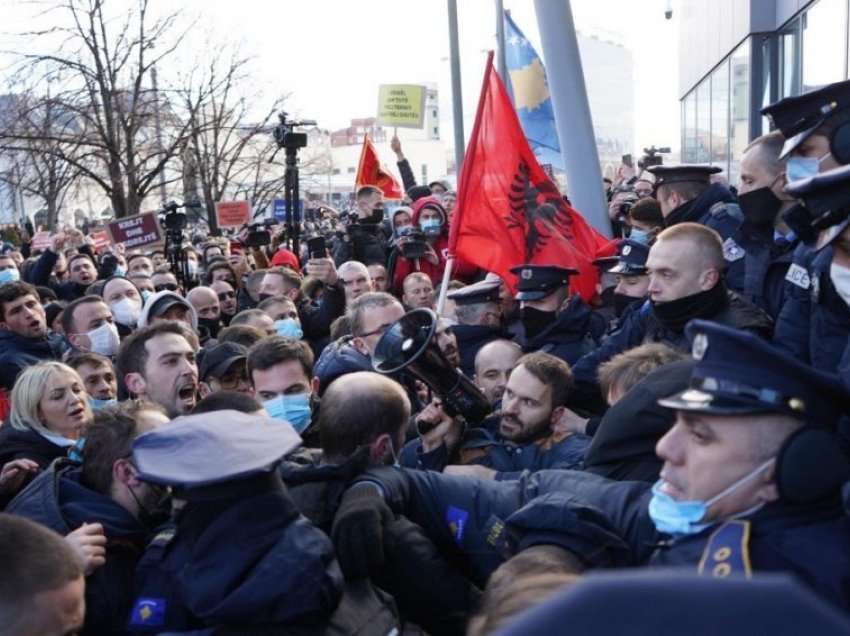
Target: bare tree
[103,65]
[36,165]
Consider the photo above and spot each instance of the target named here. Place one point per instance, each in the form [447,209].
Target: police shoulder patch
[149,612]
[456,520]
[732,251]
[798,276]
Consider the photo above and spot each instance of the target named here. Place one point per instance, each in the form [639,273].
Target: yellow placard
[401,105]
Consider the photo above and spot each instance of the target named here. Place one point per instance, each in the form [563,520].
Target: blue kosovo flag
[530,92]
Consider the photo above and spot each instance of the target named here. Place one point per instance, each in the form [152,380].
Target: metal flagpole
[501,62]
[457,97]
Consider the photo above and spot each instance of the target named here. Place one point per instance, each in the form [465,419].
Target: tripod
[291,141]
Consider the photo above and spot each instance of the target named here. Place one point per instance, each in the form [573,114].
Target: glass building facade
[720,114]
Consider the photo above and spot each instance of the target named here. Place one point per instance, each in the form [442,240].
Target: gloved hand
[358,531]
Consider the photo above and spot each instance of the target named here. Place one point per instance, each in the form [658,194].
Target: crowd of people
[209,449]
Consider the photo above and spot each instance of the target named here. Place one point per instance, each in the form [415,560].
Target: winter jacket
[17,352]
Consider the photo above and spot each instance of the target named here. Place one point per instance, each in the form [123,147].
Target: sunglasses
[226,295]
[166,287]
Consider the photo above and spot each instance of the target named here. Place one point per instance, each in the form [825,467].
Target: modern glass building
[736,56]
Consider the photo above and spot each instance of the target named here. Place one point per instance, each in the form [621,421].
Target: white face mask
[840,277]
[105,339]
[126,311]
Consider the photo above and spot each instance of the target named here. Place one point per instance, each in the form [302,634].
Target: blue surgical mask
[641,236]
[120,270]
[96,403]
[9,275]
[431,227]
[680,518]
[799,168]
[145,295]
[288,328]
[294,409]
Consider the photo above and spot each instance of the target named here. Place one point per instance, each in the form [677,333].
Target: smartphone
[627,160]
[316,247]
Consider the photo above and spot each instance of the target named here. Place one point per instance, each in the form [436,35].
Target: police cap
[193,451]
[827,198]
[214,361]
[538,281]
[631,260]
[665,175]
[737,373]
[799,117]
[486,291]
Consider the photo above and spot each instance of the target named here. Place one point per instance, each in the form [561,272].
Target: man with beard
[446,341]
[552,320]
[685,266]
[479,317]
[157,363]
[104,498]
[226,299]
[529,435]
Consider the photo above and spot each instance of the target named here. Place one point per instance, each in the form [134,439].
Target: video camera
[259,234]
[285,135]
[652,157]
[172,218]
[412,243]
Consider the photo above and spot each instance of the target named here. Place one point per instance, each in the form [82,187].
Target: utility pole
[158,129]
[457,97]
[572,111]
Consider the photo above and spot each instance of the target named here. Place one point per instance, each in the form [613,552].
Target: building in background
[737,56]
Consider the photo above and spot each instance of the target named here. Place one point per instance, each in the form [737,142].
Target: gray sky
[331,55]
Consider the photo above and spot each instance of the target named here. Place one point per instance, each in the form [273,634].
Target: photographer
[363,239]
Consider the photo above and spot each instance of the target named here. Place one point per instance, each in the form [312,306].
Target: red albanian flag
[371,172]
[508,211]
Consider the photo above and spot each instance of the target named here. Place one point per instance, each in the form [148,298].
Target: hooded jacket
[18,352]
[56,498]
[400,267]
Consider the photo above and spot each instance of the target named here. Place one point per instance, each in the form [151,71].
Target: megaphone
[409,344]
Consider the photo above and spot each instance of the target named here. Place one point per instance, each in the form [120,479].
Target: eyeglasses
[380,330]
[226,295]
[166,287]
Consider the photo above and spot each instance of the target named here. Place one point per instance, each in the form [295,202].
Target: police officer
[631,275]
[552,320]
[815,320]
[479,320]
[686,194]
[194,575]
[750,464]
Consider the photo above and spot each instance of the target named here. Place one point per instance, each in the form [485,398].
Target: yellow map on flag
[529,85]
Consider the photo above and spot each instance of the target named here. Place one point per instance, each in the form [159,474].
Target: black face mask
[760,207]
[622,301]
[376,217]
[675,314]
[156,515]
[212,325]
[536,321]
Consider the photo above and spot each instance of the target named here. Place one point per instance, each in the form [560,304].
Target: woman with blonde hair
[50,410]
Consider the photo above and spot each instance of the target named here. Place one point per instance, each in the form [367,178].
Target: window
[434,113]
[789,60]
[350,170]
[824,33]
[436,131]
[335,171]
[703,127]
[424,173]
[689,119]
[720,116]
[739,137]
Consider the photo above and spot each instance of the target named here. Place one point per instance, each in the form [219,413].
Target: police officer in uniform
[479,320]
[552,320]
[815,320]
[632,278]
[751,483]
[239,555]
[686,194]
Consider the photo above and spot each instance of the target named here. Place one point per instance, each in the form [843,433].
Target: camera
[258,235]
[652,157]
[286,137]
[412,243]
[173,220]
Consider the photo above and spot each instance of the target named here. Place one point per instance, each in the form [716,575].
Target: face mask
[288,328]
[294,409]
[840,277]
[192,267]
[402,230]
[212,325]
[96,403]
[760,206]
[536,321]
[640,236]
[159,513]
[126,311]
[675,314]
[9,275]
[803,167]
[105,339]
[145,295]
[374,218]
[684,517]
[431,227]
[120,270]
[621,303]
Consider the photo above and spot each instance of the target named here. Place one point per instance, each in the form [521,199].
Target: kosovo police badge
[627,249]
[526,274]
[700,346]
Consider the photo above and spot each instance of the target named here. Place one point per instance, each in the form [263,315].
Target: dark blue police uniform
[608,523]
[471,337]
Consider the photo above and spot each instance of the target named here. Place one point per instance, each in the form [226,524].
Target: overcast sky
[331,55]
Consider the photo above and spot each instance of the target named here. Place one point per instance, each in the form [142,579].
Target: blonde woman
[50,409]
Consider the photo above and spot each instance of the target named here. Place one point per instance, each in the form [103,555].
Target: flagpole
[501,61]
[457,97]
[444,286]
